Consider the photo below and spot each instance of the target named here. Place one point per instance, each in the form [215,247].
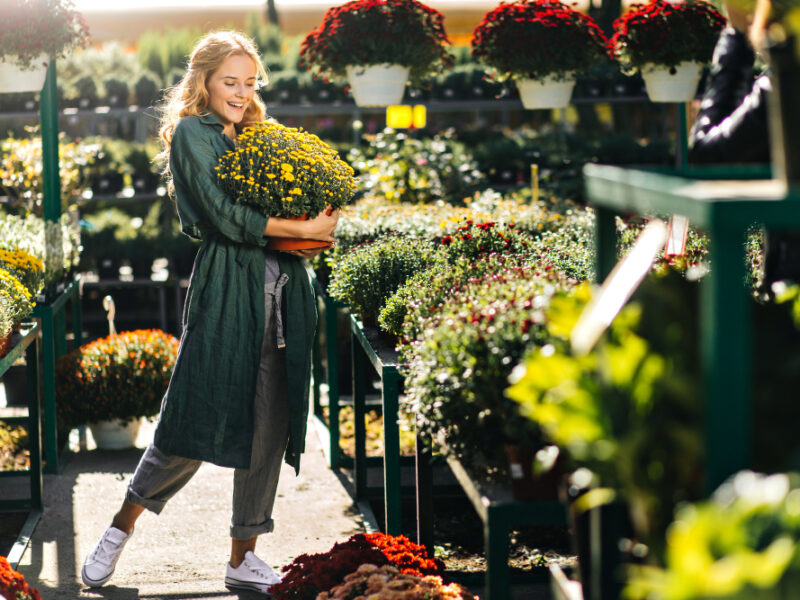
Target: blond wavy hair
[189,97]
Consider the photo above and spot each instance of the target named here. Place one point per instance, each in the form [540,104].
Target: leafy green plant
[742,544]
[627,410]
[457,371]
[28,269]
[117,377]
[406,169]
[365,276]
[14,297]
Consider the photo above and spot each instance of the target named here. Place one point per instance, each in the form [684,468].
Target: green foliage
[147,89]
[740,545]
[628,410]
[118,377]
[15,299]
[457,370]
[14,444]
[117,91]
[365,276]
[268,37]
[162,51]
[407,169]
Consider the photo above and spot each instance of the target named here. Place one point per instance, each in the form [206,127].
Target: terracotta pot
[5,343]
[284,244]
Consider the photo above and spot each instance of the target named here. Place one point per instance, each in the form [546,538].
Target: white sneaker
[99,565]
[252,574]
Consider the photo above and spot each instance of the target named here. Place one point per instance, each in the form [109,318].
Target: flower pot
[545,93]
[13,79]
[524,484]
[5,343]
[288,244]
[665,84]
[377,85]
[115,435]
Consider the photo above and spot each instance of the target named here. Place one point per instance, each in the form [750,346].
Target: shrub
[117,377]
[116,91]
[309,575]
[365,276]
[386,581]
[364,32]
[147,89]
[406,169]
[665,33]
[457,371]
[460,258]
[537,38]
[28,269]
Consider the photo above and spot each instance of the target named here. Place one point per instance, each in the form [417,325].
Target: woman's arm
[319,228]
[732,122]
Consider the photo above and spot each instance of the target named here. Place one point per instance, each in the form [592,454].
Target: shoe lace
[105,551]
[264,572]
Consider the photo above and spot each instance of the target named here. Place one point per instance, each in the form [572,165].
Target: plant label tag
[618,287]
[676,236]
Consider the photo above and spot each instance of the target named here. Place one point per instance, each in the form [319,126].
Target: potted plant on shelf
[286,172]
[32,32]
[542,45]
[378,45]
[113,382]
[668,43]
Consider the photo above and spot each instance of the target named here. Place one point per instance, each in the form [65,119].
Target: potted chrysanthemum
[112,383]
[286,172]
[668,43]
[378,45]
[32,32]
[542,45]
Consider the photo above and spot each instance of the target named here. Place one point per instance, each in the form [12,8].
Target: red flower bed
[536,38]
[309,574]
[665,33]
[13,585]
[373,32]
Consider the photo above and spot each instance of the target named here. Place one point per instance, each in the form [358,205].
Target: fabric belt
[275,289]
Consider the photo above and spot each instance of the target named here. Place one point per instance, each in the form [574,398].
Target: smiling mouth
[236,106]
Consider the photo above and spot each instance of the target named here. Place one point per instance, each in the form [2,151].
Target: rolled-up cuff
[154,506]
[246,532]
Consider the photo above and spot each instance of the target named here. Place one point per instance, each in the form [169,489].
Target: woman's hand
[321,227]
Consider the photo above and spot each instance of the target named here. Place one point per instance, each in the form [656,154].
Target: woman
[238,396]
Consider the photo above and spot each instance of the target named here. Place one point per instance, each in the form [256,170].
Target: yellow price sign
[403,116]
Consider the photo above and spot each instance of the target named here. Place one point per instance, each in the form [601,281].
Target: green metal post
[390,379]
[60,331]
[49,369]
[606,240]
[495,539]
[51,183]
[332,355]
[605,524]
[726,335]
[34,423]
[682,146]
[424,491]
[77,317]
[359,410]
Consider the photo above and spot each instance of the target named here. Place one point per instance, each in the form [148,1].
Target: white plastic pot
[115,435]
[13,79]
[545,93]
[377,85]
[664,86]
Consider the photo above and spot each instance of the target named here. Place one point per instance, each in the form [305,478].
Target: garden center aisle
[181,553]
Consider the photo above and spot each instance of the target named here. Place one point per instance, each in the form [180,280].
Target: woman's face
[231,88]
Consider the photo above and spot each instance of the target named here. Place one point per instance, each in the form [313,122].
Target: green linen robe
[207,411]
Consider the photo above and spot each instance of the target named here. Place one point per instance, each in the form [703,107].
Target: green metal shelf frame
[386,367]
[28,343]
[54,344]
[724,203]
[499,512]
